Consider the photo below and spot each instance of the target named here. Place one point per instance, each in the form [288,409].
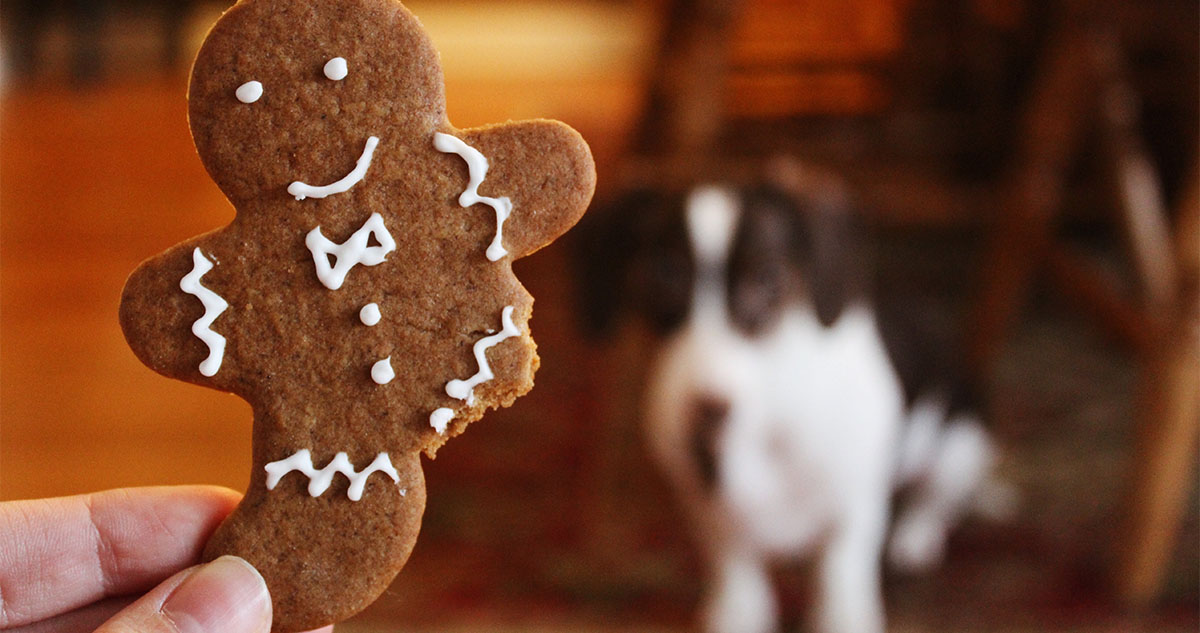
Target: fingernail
[227,594]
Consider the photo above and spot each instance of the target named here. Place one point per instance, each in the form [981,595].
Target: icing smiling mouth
[303,190]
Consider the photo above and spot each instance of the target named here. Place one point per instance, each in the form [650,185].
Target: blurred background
[1029,167]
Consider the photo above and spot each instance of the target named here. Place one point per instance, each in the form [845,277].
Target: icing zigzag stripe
[320,480]
[477,167]
[465,389]
[214,305]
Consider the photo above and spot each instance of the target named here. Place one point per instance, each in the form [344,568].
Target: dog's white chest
[812,417]
[831,409]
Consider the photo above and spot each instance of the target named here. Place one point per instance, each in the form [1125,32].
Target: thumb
[227,595]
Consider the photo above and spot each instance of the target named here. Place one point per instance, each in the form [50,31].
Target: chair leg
[1169,426]
[1165,453]
[1054,123]
[684,110]
[87,57]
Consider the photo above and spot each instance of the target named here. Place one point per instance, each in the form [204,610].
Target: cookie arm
[546,169]
[170,313]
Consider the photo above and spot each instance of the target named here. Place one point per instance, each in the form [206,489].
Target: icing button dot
[369,315]
[382,372]
[249,92]
[335,69]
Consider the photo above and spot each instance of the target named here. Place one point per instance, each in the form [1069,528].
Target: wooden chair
[1083,85]
[86,18]
[723,60]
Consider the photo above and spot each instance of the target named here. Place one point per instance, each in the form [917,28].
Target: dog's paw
[918,542]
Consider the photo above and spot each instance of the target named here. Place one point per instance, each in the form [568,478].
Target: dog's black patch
[758,266]
[831,248]
[632,255]
[707,417]
[664,272]
[925,356]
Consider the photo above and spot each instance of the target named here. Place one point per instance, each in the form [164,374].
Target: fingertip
[218,495]
[217,500]
[227,594]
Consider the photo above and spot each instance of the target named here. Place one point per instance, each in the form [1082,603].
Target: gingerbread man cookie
[362,300]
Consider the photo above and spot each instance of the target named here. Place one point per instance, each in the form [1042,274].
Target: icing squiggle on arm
[320,480]
[302,190]
[477,167]
[350,253]
[214,305]
[464,389]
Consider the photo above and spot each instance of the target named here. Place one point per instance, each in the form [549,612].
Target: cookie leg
[325,557]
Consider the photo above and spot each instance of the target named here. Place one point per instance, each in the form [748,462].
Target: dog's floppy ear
[762,260]
[829,245]
[837,270]
[606,245]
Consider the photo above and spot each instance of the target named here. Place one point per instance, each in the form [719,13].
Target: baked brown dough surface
[297,350]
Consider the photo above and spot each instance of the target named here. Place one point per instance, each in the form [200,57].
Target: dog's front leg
[850,598]
[739,598]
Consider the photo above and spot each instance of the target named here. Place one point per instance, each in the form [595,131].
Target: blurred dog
[782,405]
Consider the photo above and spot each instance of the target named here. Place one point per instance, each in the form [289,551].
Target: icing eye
[335,68]
[249,92]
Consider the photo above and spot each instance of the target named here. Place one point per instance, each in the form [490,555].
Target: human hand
[78,563]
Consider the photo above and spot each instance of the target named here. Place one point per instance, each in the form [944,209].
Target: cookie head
[282,88]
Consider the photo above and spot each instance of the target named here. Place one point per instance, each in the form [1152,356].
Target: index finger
[60,554]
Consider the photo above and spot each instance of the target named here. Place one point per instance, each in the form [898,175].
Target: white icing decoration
[214,305]
[382,372]
[440,418]
[477,167]
[320,480]
[335,69]
[369,315]
[349,253]
[302,190]
[465,389]
[249,92]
